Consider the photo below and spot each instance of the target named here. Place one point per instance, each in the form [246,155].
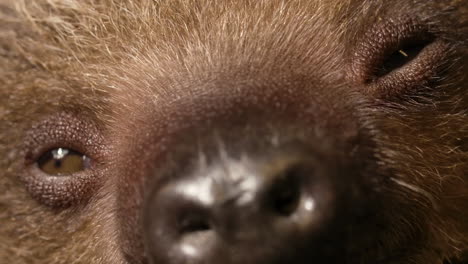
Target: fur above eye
[63,161]
[399,57]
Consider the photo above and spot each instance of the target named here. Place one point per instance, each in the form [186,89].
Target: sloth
[234,131]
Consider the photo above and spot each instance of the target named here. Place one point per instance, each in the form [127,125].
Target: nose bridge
[230,190]
[235,181]
[227,181]
[245,97]
[239,179]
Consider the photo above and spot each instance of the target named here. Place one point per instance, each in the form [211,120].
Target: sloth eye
[63,161]
[401,55]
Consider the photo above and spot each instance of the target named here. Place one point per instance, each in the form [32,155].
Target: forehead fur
[94,44]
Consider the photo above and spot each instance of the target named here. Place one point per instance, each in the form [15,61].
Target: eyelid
[376,42]
[387,36]
[64,130]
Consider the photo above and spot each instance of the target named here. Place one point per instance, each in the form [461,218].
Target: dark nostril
[286,192]
[193,222]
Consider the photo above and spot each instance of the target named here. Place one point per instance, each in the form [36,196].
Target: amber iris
[63,161]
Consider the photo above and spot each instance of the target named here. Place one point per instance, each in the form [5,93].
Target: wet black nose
[246,210]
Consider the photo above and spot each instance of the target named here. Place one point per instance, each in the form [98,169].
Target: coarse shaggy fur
[110,59]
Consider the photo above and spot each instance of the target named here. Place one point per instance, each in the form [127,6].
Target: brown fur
[105,59]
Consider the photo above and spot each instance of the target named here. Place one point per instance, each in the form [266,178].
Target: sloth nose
[246,210]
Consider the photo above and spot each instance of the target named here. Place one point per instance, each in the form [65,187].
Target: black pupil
[58,163]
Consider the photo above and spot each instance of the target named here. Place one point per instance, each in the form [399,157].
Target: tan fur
[103,57]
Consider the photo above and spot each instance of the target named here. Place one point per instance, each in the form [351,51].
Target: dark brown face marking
[266,132]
